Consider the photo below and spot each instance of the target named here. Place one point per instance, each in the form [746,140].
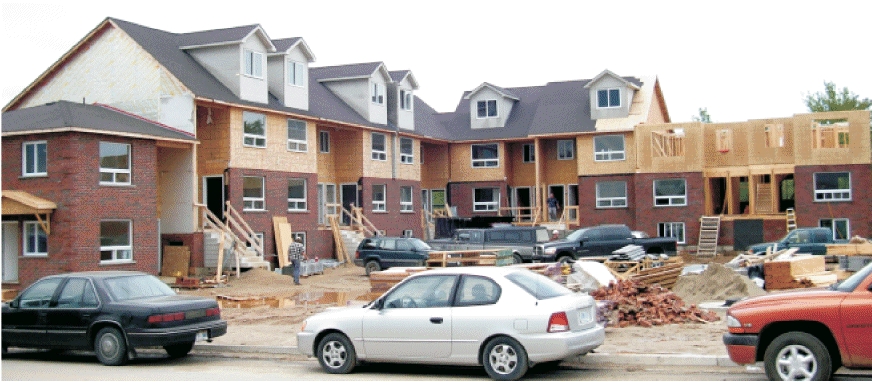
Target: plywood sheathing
[283,238]
[176,260]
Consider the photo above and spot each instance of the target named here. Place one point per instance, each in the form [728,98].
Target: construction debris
[651,271]
[715,283]
[636,303]
[802,271]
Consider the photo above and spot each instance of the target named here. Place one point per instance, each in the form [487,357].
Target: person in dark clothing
[553,205]
[296,253]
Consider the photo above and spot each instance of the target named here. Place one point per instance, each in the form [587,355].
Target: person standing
[296,253]
[552,207]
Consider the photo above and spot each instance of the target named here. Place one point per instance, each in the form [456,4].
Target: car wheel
[179,350]
[504,359]
[516,259]
[336,354]
[372,266]
[110,347]
[797,356]
[564,259]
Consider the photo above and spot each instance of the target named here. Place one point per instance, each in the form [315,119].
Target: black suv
[377,253]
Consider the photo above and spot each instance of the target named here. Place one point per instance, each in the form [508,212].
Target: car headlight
[733,322]
[550,250]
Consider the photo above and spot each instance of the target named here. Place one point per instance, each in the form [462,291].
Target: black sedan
[110,312]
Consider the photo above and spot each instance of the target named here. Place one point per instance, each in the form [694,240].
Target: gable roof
[350,72]
[225,36]
[501,91]
[70,116]
[610,74]
[399,75]
[283,46]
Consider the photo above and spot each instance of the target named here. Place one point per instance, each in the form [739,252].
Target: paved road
[153,365]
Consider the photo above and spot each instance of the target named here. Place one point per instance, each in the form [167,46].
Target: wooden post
[752,194]
[220,258]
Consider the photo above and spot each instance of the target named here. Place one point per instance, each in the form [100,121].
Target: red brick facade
[393,221]
[73,183]
[461,195]
[588,212]
[858,210]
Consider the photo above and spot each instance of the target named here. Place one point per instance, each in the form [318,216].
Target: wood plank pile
[462,258]
[381,281]
[802,271]
[665,272]
[856,247]
[747,260]
[632,302]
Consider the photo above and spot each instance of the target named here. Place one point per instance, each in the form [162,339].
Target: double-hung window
[296,73]
[297,194]
[486,199]
[407,154]
[379,198]
[670,192]
[379,151]
[841,228]
[378,93]
[35,239]
[832,186]
[405,100]
[116,241]
[253,63]
[487,109]
[606,98]
[565,149]
[608,148]
[672,229]
[253,129]
[529,153]
[33,161]
[297,135]
[612,194]
[405,198]
[253,198]
[486,155]
[324,141]
[114,163]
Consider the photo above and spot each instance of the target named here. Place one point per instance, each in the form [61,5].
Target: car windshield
[851,282]
[419,245]
[576,235]
[135,287]
[542,236]
[537,285]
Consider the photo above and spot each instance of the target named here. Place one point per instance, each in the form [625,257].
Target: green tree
[833,100]
[703,116]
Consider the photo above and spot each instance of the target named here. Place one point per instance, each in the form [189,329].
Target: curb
[621,359]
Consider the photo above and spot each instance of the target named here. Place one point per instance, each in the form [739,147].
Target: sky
[740,60]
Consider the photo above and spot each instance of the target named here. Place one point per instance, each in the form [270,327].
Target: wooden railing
[357,220]
[230,228]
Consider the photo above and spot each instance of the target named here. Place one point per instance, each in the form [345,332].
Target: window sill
[407,212]
[116,262]
[118,185]
[255,211]
[612,208]
[33,176]
[380,212]
[673,205]
[252,76]
[565,158]
[252,146]
[299,211]
[34,256]
[834,201]
[609,160]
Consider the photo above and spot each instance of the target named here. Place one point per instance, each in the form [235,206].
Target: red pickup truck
[805,335]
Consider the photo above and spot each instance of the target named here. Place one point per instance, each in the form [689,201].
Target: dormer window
[253,63]
[487,109]
[608,98]
[378,93]
[405,100]
[296,72]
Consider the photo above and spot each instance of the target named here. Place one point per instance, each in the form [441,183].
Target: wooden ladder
[709,229]
[791,219]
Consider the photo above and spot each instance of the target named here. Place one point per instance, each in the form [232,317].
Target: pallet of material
[797,272]
[462,258]
[666,275]
[381,281]
[864,249]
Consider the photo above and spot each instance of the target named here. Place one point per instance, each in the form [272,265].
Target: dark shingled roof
[398,75]
[345,71]
[285,43]
[64,114]
[215,36]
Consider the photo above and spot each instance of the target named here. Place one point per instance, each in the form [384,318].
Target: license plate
[583,317]
[202,335]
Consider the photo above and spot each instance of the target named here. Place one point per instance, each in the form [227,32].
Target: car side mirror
[378,304]
[14,304]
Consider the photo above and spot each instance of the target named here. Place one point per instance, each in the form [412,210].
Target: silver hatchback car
[504,318]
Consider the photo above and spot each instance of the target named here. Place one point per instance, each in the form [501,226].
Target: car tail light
[213,312]
[356,254]
[168,317]
[558,322]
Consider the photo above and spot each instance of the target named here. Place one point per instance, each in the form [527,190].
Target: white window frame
[408,233]
[486,206]
[30,165]
[571,149]
[487,109]
[116,171]
[32,232]
[298,145]
[378,94]
[669,229]
[528,150]
[603,202]
[296,73]
[255,138]
[671,200]
[298,204]
[380,205]
[252,63]
[407,157]
[117,249]
[324,141]
[405,99]
[832,195]
[484,162]
[833,222]
[608,98]
[379,155]
[257,235]
[254,203]
[407,205]
[609,155]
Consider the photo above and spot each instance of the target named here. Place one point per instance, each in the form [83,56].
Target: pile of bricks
[633,302]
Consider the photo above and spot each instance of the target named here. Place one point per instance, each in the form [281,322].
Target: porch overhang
[23,203]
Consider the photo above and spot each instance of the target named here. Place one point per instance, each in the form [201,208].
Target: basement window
[830,134]
[672,229]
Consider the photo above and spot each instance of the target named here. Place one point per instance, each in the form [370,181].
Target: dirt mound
[716,283]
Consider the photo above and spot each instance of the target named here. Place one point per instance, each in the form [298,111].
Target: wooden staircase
[231,239]
[709,229]
[791,219]
[764,198]
[347,238]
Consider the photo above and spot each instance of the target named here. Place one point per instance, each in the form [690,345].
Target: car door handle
[436,320]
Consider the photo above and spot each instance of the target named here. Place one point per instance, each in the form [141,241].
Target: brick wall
[591,215]
[858,210]
[393,222]
[648,216]
[461,195]
[73,184]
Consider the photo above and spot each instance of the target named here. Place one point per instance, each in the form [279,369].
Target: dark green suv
[377,253]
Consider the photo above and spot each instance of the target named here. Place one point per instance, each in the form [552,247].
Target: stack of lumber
[462,258]
[851,249]
[797,272]
[381,281]
[629,252]
[650,271]
[747,260]
[633,302]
